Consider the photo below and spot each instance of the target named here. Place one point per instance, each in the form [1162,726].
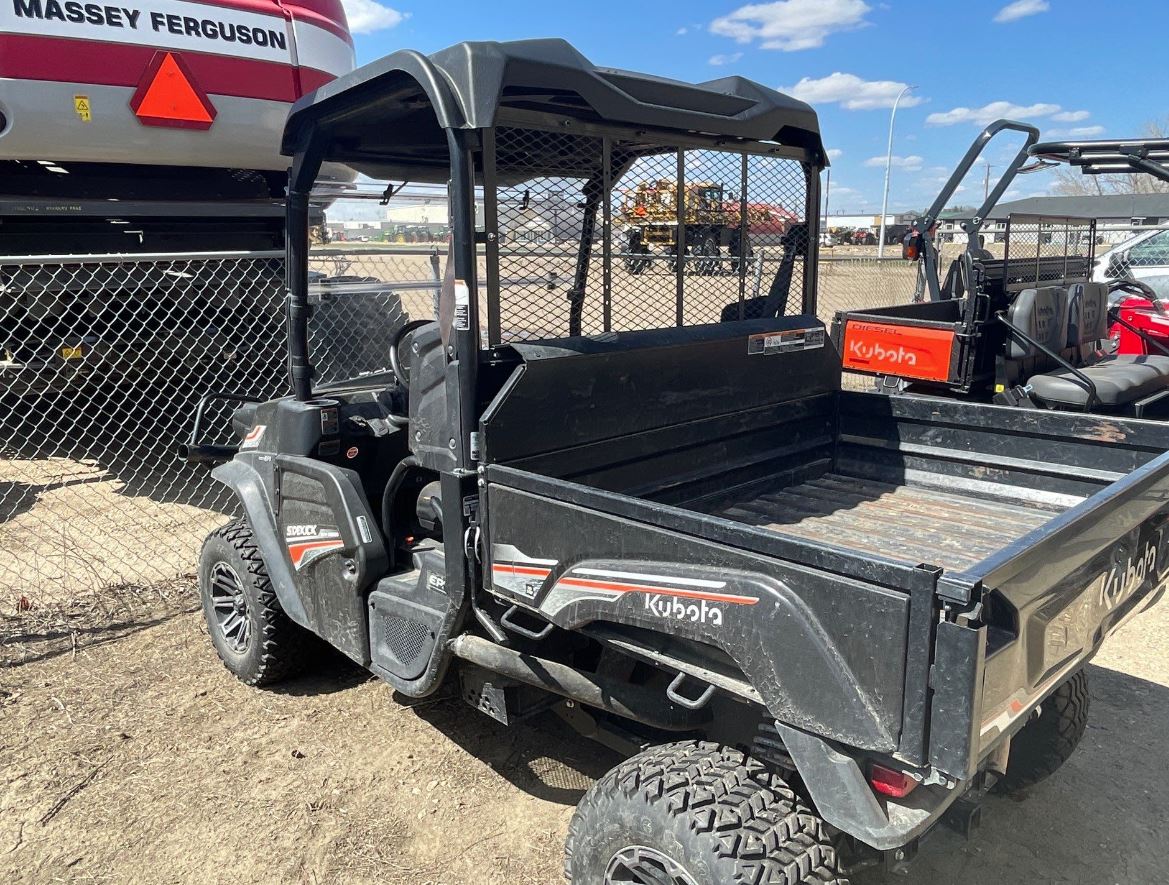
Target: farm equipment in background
[145,133]
[1032,328]
[712,220]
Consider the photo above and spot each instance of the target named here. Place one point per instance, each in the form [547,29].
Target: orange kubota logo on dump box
[887,349]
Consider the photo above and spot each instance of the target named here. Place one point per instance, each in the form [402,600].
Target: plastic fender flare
[246,482]
[844,798]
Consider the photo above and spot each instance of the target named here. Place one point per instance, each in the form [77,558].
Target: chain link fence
[104,359]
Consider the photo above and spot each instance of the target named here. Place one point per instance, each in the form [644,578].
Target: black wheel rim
[638,865]
[230,606]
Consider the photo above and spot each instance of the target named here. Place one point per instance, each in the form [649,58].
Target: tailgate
[918,341]
[1053,598]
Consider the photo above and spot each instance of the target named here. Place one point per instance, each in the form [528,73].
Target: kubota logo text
[699,612]
[1123,579]
[875,352]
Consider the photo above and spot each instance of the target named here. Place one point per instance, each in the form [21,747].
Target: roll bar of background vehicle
[1143,155]
[971,226]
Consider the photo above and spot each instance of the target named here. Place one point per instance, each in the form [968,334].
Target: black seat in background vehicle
[1073,323]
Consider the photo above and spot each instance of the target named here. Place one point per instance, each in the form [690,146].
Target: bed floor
[908,523]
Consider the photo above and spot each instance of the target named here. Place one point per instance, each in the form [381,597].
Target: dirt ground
[127,754]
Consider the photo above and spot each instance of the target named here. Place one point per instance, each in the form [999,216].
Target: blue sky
[1072,67]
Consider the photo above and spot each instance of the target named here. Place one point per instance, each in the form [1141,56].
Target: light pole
[827,194]
[888,168]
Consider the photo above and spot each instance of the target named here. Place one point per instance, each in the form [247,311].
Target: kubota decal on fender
[909,351]
[669,597]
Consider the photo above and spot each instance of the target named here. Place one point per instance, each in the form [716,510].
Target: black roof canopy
[387,119]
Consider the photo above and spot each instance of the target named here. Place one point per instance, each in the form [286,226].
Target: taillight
[889,782]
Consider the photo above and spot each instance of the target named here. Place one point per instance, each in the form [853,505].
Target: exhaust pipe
[210,455]
[630,701]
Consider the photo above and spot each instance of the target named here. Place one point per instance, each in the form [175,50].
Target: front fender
[242,477]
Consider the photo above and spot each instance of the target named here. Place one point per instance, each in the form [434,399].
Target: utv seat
[1120,381]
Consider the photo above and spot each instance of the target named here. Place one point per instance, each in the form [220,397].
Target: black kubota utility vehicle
[817,622]
[1031,325]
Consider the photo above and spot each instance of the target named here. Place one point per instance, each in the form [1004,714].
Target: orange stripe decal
[298,551]
[509,569]
[620,587]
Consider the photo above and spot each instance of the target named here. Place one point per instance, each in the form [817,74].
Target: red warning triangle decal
[168,95]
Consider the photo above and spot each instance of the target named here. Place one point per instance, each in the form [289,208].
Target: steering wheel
[1136,287]
[400,372]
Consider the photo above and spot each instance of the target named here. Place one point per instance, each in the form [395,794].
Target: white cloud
[725,58]
[839,190]
[1021,9]
[1076,132]
[366,16]
[791,25]
[1070,116]
[991,112]
[851,91]
[834,153]
[912,163]
[681,32]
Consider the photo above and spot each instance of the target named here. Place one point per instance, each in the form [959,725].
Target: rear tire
[1046,743]
[708,250]
[250,631]
[697,813]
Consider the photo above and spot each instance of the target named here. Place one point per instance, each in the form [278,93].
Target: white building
[870,222]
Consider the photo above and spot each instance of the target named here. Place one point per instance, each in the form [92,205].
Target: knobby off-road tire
[1046,743]
[697,813]
[252,636]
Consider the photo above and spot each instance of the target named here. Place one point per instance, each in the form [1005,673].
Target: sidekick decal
[309,542]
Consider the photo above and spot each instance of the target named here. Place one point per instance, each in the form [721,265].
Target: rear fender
[803,672]
[843,797]
[801,636]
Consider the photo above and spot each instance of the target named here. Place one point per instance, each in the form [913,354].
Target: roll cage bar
[434,118]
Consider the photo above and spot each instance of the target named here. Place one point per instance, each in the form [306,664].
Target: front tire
[250,631]
[1046,743]
[697,813]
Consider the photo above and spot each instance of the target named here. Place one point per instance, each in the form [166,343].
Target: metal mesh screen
[1135,253]
[103,361]
[360,298]
[1040,251]
[635,236]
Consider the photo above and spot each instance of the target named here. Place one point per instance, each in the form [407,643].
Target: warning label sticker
[462,305]
[769,343]
[82,106]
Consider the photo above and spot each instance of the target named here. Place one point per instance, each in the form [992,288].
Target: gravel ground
[128,754]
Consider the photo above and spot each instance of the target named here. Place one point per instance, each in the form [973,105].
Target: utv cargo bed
[913,523]
[846,520]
